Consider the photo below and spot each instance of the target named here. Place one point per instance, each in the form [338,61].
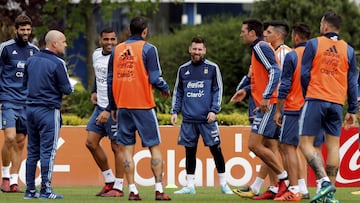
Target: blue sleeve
[94,89]
[306,63]
[63,79]
[152,64]
[109,82]
[245,81]
[358,93]
[353,75]
[217,91]
[265,55]
[178,95]
[289,67]
[1,58]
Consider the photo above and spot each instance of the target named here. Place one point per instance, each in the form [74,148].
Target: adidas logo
[255,127]
[14,52]
[187,72]
[332,49]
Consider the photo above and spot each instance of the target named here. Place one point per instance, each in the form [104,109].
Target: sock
[324,179]
[159,187]
[118,184]
[190,180]
[273,189]
[5,171]
[294,189]
[132,188]
[282,175]
[318,186]
[14,179]
[108,176]
[302,186]
[256,186]
[222,178]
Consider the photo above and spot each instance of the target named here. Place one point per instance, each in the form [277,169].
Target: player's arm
[177,98]
[109,81]
[217,91]
[306,64]
[152,65]
[285,86]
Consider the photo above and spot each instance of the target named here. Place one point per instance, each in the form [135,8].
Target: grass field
[203,195]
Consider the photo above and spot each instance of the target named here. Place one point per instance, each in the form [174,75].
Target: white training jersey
[100,64]
[280,54]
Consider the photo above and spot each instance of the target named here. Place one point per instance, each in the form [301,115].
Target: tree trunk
[91,37]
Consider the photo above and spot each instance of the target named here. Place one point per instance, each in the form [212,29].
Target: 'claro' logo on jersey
[20,65]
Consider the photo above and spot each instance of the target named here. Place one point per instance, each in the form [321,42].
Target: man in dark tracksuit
[47,80]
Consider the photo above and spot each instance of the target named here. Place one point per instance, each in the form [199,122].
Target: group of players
[302,91]
[292,92]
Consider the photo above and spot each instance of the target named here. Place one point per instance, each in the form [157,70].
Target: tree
[74,19]
[311,12]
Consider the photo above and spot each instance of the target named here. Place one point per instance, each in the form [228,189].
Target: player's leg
[8,124]
[95,134]
[49,130]
[117,189]
[33,156]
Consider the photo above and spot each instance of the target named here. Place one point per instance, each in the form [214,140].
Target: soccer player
[329,77]
[275,33]
[197,96]
[13,55]
[291,100]
[134,70]
[101,124]
[265,74]
[47,79]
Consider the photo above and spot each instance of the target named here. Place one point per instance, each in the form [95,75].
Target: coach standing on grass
[47,80]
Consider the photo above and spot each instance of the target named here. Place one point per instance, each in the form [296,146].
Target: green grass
[203,195]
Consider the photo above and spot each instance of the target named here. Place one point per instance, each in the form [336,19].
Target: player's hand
[113,115]
[265,105]
[238,96]
[173,119]
[278,119]
[166,94]
[103,117]
[211,117]
[349,120]
[93,98]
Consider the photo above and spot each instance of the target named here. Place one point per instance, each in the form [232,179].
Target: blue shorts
[13,116]
[264,124]
[107,129]
[142,120]
[319,118]
[289,133]
[190,132]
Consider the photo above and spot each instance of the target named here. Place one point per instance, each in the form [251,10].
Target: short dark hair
[198,40]
[106,30]
[22,20]
[333,19]
[302,29]
[254,24]
[279,25]
[138,25]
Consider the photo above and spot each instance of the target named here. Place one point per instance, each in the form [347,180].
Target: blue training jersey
[198,91]
[13,55]
[47,80]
